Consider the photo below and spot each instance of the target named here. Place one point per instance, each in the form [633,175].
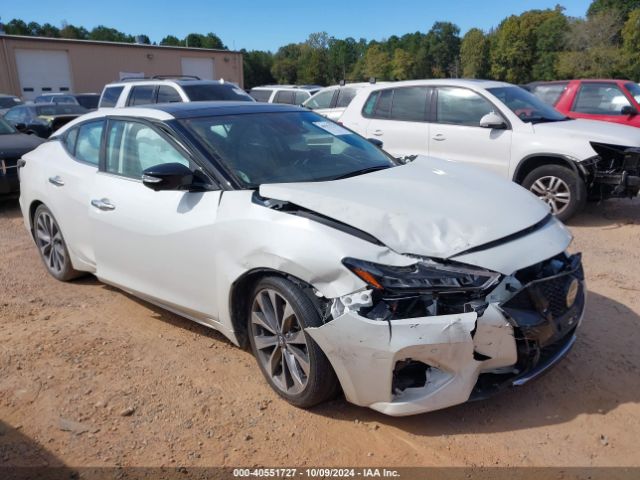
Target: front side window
[141,95]
[16,115]
[9,102]
[460,106]
[110,96]
[320,100]
[634,90]
[212,91]
[87,144]
[168,94]
[285,147]
[285,96]
[600,99]
[133,147]
[5,128]
[526,105]
[261,95]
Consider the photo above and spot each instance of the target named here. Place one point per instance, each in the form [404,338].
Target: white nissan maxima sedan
[411,286]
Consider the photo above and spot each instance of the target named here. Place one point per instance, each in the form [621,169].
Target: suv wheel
[51,245]
[559,187]
[293,364]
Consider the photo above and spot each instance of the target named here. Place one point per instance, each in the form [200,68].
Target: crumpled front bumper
[468,356]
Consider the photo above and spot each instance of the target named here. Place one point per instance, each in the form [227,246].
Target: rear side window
[69,140]
[168,94]
[87,147]
[212,91]
[141,95]
[261,95]
[345,95]
[301,96]
[549,94]
[410,104]
[285,96]
[110,96]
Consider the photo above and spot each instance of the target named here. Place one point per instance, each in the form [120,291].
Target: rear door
[398,117]
[156,244]
[600,101]
[456,134]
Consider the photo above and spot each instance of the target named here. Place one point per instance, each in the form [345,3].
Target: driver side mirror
[376,142]
[174,176]
[493,120]
[21,127]
[628,110]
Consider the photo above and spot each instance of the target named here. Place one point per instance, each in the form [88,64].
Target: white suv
[503,128]
[287,94]
[168,89]
[332,101]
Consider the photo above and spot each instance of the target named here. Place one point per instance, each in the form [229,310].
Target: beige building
[31,66]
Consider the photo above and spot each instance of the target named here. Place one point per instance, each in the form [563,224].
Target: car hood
[17,144]
[428,207]
[592,131]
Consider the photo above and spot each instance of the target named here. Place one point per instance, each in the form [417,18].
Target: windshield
[526,106]
[88,101]
[204,92]
[634,90]
[60,110]
[8,102]
[286,147]
[5,128]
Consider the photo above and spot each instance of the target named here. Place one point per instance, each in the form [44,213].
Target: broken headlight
[423,276]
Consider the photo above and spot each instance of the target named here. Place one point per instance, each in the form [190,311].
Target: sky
[267,25]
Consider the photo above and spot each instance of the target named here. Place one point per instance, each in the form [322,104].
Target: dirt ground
[92,376]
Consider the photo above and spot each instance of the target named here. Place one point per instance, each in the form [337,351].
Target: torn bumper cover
[414,365]
[614,172]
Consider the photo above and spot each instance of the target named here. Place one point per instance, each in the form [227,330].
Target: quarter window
[133,147]
[460,106]
[261,95]
[168,95]
[110,96]
[600,99]
[70,140]
[87,145]
[141,95]
[285,96]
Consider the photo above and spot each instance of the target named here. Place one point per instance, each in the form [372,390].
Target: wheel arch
[529,163]
[32,211]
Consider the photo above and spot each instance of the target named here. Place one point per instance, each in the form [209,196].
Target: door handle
[103,204]
[438,137]
[57,181]
[377,133]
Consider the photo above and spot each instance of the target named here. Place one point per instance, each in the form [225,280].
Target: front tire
[560,188]
[291,362]
[51,245]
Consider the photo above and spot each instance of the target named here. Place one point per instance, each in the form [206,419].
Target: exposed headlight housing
[424,276]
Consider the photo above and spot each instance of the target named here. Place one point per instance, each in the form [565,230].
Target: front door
[153,243]
[601,101]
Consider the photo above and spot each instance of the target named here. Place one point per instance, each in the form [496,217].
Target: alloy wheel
[49,241]
[280,342]
[553,191]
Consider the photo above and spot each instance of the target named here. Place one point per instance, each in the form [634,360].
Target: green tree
[377,62]
[631,45]
[313,61]
[17,27]
[550,41]
[401,65]
[285,63]
[622,7]
[474,54]
[172,40]
[71,31]
[257,68]
[342,56]
[107,34]
[443,46]
[211,40]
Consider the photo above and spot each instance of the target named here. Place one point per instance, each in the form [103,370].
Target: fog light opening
[409,374]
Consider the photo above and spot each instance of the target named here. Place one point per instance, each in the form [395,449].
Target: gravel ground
[90,376]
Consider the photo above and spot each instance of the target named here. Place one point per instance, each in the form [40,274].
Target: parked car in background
[332,101]
[86,100]
[42,119]
[283,230]
[168,89]
[287,94]
[13,145]
[7,102]
[615,101]
[505,129]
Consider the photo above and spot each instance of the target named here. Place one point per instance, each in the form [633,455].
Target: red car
[609,100]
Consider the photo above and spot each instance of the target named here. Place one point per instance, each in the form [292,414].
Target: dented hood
[591,131]
[428,207]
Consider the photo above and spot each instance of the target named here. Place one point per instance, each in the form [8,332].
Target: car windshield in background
[526,106]
[5,128]
[88,101]
[8,102]
[199,93]
[60,110]
[286,147]
[634,90]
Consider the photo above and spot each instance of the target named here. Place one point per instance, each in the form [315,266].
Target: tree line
[535,45]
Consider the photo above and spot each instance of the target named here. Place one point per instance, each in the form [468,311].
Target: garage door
[200,67]
[43,71]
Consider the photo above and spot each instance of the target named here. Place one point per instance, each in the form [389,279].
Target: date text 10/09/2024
[315,472]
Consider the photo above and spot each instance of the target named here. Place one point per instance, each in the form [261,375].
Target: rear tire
[291,362]
[560,188]
[51,245]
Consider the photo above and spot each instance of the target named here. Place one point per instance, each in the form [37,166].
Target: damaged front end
[436,334]
[614,172]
